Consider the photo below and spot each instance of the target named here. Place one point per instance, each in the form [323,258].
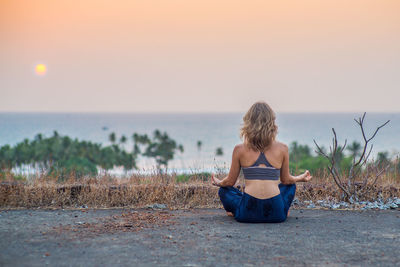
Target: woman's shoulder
[279,146]
[239,148]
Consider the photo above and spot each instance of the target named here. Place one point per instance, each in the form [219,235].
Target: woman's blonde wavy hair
[259,129]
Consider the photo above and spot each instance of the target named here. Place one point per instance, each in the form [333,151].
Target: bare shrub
[361,177]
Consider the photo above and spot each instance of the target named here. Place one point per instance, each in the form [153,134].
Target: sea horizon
[212,129]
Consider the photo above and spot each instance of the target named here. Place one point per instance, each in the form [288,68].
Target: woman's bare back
[262,189]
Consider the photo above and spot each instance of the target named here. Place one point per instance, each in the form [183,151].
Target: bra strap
[264,159]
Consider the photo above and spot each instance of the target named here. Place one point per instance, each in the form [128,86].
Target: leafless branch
[377,129]
[337,181]
[382,171]
[351,188]
[319,150]
[360,122]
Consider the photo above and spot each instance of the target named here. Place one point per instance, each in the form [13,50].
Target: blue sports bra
[254,172]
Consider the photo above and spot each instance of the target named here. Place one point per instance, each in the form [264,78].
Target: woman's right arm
[286,177]
[234,171]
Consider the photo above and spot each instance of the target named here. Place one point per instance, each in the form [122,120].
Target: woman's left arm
[234,171]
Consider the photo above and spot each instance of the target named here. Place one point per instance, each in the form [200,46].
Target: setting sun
[40,69]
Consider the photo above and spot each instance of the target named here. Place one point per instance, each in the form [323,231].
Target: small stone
[157,206]
[311,206]
[383,207]
[335,206]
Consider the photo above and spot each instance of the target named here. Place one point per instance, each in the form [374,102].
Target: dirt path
[197,238]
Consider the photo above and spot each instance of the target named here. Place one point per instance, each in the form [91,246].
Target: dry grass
[140,191]
[108,192]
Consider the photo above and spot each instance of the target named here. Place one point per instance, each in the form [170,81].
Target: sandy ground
[200,237]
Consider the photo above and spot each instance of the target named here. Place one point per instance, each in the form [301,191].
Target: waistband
[262,199]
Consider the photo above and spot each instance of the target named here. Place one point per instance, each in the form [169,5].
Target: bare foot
[288,213]
[229,213]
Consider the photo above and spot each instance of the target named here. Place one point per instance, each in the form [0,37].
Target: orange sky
[200,56]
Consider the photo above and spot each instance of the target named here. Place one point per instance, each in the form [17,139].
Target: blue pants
[247,208]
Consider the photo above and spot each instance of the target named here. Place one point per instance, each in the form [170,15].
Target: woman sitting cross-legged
[265,163]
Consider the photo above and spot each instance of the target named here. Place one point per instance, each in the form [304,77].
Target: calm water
[214,130]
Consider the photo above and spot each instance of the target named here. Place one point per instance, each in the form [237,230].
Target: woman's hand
[215,181]
[305,177]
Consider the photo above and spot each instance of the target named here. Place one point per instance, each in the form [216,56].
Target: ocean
[213,130]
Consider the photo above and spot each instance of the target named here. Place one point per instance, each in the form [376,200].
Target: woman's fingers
[213,181]
[307,176]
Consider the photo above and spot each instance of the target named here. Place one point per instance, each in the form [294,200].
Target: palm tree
[199,145]
[7,158]
[123,139]
[355,149]
[161,147]
[219,151]
[112,137]
[39,137]
[297,152]
[383,158]
[339,155]
[180,148]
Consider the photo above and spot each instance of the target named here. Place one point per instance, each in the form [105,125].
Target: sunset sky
[199,55]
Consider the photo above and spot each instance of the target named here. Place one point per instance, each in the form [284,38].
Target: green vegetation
[162,148]
[302,158]
[219,151]
[199,145]
[60,156]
